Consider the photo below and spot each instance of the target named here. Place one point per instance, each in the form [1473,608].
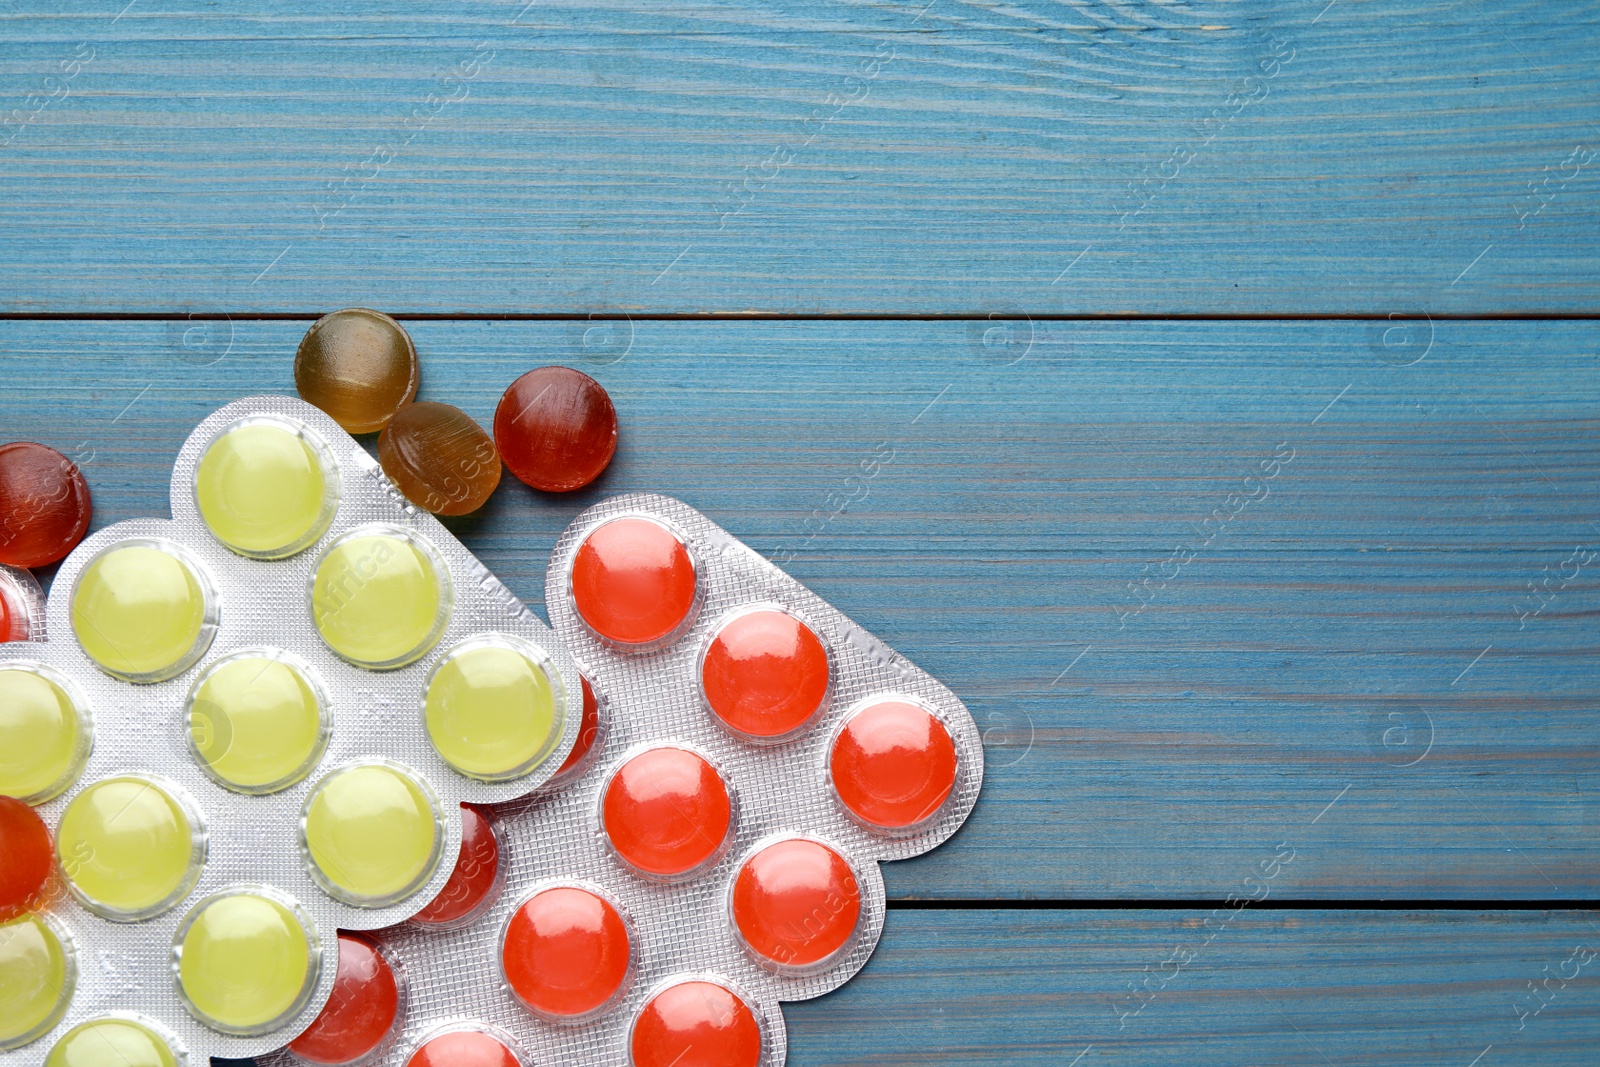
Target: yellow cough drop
[378,600]
[262,490]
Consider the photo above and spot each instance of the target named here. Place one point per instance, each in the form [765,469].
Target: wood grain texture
[801,157]
[1340,989]
[1347,660]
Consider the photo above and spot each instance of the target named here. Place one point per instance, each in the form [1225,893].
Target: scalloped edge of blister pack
[139,728]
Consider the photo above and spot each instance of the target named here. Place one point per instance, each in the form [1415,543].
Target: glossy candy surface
[893,765]
[633,581]
[127,847]
[475,882]
[26,857]
[361,1011]
[372,833]
[44,504]
[256,723]
[359,366]
[244,962]
[43,739]
[262,490]
[35,979]
[588,734]
[140,612]
[463,1048]
[111,1043]
[696,1024]
[377,600]
[490,710]
[666,811]
[765,674]
[556,429]
[796,903]
[439,458]
[566,952]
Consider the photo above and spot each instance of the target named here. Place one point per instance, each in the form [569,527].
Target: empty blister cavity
[567,952]
[266,487]
[795,904]
[117,1040]
[144,610]
[257,720]
[245,960]
[892,764]
[363,1011]
[667,812]
[131,847]
[38,973]
[45,731]
[696,1021]
[634,583]
[372,833]
[494,707]
[765,673]
[380,597]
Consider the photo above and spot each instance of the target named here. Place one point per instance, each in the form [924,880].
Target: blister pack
[21,605]
[254,725]
[750,757]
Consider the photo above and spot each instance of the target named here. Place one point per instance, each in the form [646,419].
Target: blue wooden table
[1236,362]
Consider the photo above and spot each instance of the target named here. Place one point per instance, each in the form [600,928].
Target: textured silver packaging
[24,600]
[124,968]
[683,929]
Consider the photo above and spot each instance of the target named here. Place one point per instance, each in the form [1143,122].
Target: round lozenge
[44,734]
[112,1042]
[264,490]
[476,880]
[129,847]
[380,598]
[491,709]
[361,1011]
[634,582]
[37,978]
[696,1023]
[893,765]
[666,812]
[359,366]
[795,904]
[567,952]
[765,674]
[372,833]
[464,1048]
[245,961]
[142,611]
[44,504]
[556,429]
[257,722]
[439,458]
[26,858]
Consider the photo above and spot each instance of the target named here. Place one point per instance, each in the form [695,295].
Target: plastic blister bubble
[217,678]
[717,931]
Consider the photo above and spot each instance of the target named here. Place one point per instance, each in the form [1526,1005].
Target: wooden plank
[1345,657]
[1291,987]
[800,156]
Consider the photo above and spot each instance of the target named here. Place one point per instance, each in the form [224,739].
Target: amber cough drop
[359,366]
[439,458]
